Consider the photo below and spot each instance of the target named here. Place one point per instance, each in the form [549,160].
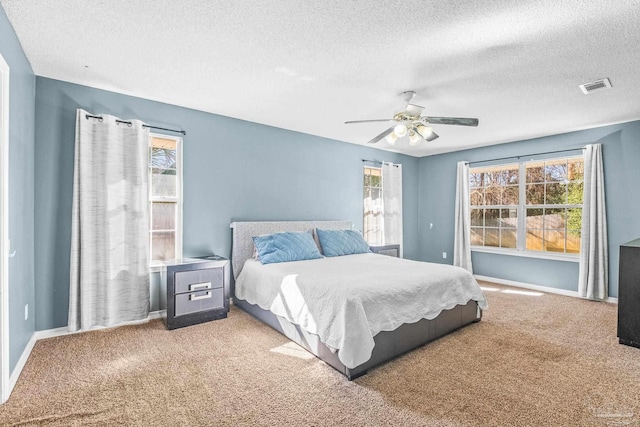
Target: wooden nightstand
[391,250]
[197,290]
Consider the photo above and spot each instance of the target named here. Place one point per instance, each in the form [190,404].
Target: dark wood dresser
[629,294]
[197,290]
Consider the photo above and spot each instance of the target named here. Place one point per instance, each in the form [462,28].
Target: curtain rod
[378,162]
[526,155]
[183,132]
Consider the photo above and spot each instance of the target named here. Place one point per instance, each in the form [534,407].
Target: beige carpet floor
[534,360]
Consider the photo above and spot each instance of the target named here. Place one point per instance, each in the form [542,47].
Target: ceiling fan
[411,122]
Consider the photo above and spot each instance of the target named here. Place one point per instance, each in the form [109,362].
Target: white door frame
[4,230]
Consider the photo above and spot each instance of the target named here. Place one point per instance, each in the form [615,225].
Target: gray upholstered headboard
[243,232]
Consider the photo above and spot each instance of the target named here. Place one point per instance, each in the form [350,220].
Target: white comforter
[347,300]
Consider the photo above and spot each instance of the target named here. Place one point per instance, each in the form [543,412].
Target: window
[372,220]
[165,197]
[532,206]
[494,196]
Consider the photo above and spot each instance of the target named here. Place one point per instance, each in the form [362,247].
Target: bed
[356,311]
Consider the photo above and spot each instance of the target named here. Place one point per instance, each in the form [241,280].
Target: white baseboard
[156,314]
[56,332]
[50,333]
[546,289]
[13,378]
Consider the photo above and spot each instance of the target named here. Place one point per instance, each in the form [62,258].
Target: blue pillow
[341,242]
[284,247]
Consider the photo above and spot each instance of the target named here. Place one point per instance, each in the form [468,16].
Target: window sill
[528,254]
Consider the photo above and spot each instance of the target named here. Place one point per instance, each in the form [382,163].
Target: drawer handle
[196,298]
[198,286]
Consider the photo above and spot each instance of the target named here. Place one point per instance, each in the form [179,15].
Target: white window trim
[520,249]
[556,256]
[156,266]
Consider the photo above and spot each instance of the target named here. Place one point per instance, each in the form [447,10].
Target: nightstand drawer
[195,280]
[193,302]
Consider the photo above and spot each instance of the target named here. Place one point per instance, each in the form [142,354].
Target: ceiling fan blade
[413,110]
[381,136]
[461,121]
[368,121]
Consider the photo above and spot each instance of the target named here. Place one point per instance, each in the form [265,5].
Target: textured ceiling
[309,66]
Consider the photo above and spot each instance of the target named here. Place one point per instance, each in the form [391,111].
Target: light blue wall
[21,192]
[621,153]
[233,170]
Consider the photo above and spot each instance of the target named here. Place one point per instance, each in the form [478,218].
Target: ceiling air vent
[595,86]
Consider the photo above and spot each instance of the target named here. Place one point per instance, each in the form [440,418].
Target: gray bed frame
[388,344]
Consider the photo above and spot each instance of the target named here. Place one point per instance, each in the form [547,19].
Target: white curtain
[594,276]
[462,234]
[110,219]
[392,204]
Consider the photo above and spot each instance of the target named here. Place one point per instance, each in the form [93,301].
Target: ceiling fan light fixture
[424,131]
[391,138]
[400,130]
[414,138]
